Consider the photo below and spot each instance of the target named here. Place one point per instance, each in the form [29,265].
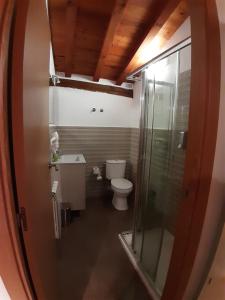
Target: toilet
[115,171]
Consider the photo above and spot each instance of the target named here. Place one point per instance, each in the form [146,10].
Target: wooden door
[14,279]
[30,93]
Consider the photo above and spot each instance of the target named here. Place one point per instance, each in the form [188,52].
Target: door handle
[182,140]
[23,218]
[50,165]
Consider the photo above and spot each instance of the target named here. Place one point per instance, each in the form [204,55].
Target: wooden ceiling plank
[94,87]
[71,16]
[160,20]
[119,8]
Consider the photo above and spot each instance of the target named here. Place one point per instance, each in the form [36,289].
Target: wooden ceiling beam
[71,16]
[118,10]
[163,15]
[94,87]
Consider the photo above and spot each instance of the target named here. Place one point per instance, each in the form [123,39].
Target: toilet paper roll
[99,177]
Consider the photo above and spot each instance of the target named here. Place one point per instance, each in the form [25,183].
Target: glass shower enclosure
[163,138]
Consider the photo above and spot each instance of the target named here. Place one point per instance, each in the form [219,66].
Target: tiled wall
[99,144]
[178,155]
[134,150]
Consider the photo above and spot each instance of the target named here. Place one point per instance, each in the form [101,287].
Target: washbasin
[71,159]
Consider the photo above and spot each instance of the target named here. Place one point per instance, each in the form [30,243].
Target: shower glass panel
[148,119]
[164,134]
[155,210]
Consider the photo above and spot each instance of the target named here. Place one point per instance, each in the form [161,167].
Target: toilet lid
[121,183]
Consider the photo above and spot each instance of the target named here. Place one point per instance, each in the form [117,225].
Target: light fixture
[158,70]
[148,51]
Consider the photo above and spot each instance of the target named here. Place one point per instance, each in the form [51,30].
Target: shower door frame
[202,134]
[140,203]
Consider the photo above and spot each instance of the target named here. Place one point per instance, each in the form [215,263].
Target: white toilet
[115,171]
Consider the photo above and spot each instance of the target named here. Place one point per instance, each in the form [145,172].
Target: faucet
[50,165]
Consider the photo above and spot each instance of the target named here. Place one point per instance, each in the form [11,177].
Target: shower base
[154,288]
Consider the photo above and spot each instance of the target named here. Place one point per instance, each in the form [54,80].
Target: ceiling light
[149,51]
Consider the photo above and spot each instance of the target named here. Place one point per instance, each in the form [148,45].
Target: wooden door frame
[205,92]
[13,269]
[202,136]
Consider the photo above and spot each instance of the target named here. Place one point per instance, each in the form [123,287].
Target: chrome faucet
[50,165]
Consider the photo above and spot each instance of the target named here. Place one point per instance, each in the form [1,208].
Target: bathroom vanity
[71,168]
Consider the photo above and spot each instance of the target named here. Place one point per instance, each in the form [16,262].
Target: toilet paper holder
[97,173]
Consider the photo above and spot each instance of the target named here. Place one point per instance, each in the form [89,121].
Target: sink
[71,159]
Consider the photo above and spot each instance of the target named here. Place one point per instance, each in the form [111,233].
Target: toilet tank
[115,169]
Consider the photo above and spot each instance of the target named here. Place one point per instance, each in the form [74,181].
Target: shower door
[164,135]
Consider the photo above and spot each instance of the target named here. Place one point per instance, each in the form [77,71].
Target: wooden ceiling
[105,38]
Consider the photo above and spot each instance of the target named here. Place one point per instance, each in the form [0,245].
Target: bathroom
[101,126]
[104,128]
[112,122]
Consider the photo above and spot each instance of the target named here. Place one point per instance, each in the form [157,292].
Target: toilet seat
[121,183]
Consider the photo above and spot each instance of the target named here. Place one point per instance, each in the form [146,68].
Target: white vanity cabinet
[72,180]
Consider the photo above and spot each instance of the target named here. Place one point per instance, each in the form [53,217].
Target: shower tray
[154,288]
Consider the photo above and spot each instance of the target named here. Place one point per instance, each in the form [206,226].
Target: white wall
[3,292]
[181,34]
[51,62]
[51,105]
[72,107]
